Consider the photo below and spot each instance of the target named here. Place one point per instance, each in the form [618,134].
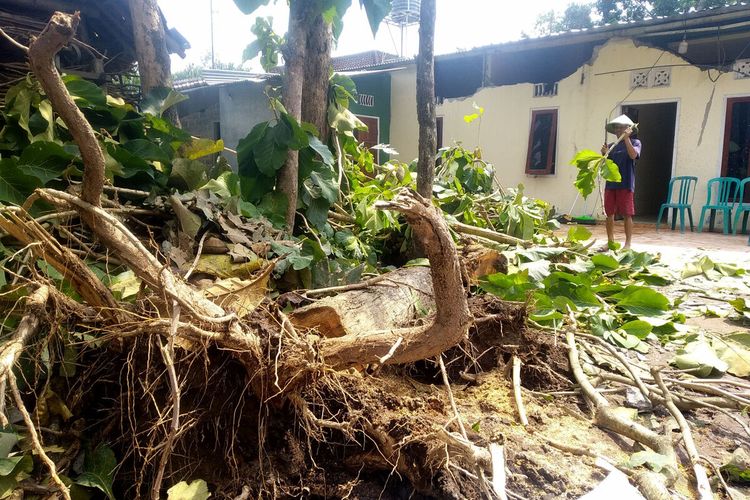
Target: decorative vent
[742,68]
[661,77]
[545,89]
[654,77]
[639,78]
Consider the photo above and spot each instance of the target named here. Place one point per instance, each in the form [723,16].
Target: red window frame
[549,166]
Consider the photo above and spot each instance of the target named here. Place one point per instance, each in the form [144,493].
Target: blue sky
[461,24]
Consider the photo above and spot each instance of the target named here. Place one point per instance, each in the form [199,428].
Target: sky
[460,25]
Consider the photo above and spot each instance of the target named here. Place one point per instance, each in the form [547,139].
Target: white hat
[620,120]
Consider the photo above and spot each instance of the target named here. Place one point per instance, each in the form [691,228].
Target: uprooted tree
[148,340]
[277,362]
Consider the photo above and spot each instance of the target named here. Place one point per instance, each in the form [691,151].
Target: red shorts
[619,201]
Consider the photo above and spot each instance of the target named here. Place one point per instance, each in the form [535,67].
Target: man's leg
[610,206]
[628,230]
[611,228]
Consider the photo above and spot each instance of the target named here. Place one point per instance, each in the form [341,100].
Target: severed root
[451,322]
[11,350]
[606,417]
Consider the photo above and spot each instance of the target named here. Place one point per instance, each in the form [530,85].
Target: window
[540,159]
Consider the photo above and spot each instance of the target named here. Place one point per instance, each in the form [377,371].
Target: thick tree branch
[452,319]
[56,35]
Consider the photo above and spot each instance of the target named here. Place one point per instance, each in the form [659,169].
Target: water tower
[404,13]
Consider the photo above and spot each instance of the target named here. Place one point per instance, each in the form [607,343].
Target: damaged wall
[584,101]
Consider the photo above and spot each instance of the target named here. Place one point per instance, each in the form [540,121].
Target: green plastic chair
[685,187]
[726,188]
[743,209]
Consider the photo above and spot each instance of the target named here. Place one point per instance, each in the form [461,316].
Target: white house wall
[584,101]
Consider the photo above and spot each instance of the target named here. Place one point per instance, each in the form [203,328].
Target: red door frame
[727,133]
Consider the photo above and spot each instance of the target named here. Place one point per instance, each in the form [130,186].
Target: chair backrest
[685,189]
[726,189]
[744,189]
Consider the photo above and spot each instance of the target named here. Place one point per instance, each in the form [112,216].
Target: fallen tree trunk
[393,302]
[451,321]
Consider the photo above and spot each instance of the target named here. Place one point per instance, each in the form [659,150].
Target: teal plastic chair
[726,189]
[684,187]
[743,209]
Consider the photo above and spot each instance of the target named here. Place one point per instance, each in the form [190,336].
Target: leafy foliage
[590,166]
[140,148]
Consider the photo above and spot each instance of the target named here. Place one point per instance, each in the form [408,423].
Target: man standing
[618,196]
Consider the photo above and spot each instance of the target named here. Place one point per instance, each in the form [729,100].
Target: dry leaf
[238,295]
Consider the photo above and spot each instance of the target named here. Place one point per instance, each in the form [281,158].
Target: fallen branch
[703,487]
[488,234]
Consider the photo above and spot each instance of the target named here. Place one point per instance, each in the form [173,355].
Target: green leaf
[642,301]
[606,261]
[15,186]
[131,164]
[610,171]
[734,350]
[508,286]
[578,233]
[376,11]
[188,175]
[125,284]
[249,6]
[14,470]
[637,328]
[160,99]
[268,154]
[44,160]
[98,470]
[538,270]
[85,93]
[700,266]
[322,150]
[196,490]
[143,148]
[199,148]
[343,120]
[700,358]
[8,439]
[225,186]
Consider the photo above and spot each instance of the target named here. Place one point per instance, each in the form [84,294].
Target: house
[104,49]
[685,79]
[226,104]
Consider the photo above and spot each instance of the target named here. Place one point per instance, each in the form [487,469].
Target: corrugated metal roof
[211,77]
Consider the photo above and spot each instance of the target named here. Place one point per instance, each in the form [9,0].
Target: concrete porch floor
[673,244]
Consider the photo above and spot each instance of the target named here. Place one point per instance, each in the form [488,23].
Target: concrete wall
[242,106]
[199,114]
[404,129]
[585,100]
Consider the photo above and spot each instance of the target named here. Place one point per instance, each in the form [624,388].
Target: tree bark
[150,45]
[393,302]
[56,35]
[294,55]
[426,99]
[450,323]
[317,71]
